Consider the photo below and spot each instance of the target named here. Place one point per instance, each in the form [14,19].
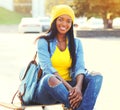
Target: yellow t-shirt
[61,61]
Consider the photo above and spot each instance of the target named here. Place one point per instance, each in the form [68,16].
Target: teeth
[63,28]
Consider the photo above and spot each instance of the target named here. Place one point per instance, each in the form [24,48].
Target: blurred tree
[106,9]
[50,3]
[23,6]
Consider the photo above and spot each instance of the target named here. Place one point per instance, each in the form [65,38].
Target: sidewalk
[101,54]
[8,28]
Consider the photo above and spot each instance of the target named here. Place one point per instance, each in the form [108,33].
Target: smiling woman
[61,58]
[63,24]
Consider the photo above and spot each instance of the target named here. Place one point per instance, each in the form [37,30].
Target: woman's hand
[75,97]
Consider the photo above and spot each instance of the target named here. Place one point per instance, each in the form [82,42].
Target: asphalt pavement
[9,28]
[101,54]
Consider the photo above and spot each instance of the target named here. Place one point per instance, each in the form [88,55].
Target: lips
[63,29]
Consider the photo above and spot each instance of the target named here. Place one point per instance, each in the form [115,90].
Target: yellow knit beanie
[59,10]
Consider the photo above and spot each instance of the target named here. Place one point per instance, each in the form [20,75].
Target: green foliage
[10,17]
[105,9]
[23,6]
[50,3]
[22,1]
[99,8]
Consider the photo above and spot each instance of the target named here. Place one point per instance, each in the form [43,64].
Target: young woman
[64,79]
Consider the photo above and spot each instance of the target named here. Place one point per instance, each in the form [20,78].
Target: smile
[62,28]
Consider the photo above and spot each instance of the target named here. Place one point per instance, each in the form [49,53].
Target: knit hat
[59,10]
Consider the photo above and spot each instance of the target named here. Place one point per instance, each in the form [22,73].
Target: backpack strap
[48,46]
[39,73]
[34,58]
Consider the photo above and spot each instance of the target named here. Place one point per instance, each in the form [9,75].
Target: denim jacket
[45,62]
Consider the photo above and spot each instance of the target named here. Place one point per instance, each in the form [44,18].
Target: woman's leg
[51,90]
[91,88]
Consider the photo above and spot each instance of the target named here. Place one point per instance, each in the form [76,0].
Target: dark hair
[52,32]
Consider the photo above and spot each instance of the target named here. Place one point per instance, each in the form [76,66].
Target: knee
[97,76]
[97,81]
[53,81]
[50,80]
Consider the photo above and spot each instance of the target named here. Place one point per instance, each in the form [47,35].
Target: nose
[64,23]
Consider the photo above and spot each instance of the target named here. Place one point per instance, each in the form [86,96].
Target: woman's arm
[79,80]
[67,85]
[75,95]
[44,56]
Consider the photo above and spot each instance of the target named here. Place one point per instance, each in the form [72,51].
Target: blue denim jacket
[45,62]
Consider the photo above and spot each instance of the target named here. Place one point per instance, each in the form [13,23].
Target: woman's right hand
[75,97]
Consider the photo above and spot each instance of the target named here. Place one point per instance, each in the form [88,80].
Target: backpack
[29,78]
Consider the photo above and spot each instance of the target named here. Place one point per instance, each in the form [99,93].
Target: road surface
[101,54]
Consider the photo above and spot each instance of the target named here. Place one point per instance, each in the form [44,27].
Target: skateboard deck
[10,106]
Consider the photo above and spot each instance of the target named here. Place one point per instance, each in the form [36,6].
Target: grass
[10,17]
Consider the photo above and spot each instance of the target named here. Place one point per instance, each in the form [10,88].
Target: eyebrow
[68,18]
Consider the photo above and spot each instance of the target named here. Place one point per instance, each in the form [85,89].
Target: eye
[60,19]
[69,21]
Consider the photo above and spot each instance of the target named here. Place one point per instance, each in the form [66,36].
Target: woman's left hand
[75,97]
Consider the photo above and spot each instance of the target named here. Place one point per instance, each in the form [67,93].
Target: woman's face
[63,24]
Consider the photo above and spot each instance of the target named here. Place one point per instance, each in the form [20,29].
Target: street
[101,54]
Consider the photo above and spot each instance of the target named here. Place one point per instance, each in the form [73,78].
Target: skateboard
[10,106]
